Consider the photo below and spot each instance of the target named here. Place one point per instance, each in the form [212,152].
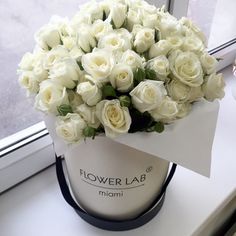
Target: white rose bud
[213,87]
[121,78]
[48,37]
[39,71]
[178,91]
[100,28]
[186,67]
[28,81]
[118,14]
[89,115]
[89,92]
[162,47]
[65,72]
[166,112]
[148,95]
[76,53]
[150,21]
[144,39]
[98,64]
[69,42]
[161,66]
[117,40]
[115,119]
[133,18]
[27,61]
[57,53]
[70,127]
[50,96]
[132,59]
[209,63]
[183,109]
[86,40]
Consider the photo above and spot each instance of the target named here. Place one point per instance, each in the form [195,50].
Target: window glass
[216,18]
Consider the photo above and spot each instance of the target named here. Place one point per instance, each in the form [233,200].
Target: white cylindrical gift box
[112,180]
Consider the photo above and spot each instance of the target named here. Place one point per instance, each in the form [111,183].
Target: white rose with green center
[186,67]
[98,64]
[213,87]
[148,95]
[115,119]
[121,78]
[50,96]
[70,127]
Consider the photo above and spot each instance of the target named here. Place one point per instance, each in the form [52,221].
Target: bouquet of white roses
[117,67]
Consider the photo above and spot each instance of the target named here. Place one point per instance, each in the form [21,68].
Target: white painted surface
[37,208]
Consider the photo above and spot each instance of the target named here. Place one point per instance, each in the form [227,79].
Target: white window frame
[31,150]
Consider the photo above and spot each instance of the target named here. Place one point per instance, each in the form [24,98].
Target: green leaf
[125,101]
[80,65]
[108,91]
[139,75]
[64,109]
[159,127]
[150,74]
[89,132]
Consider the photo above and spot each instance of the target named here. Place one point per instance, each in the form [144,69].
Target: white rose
[150,21]
[121,77]
[98,64]
[213,87]
[175,42]
[93,9]
[65,72]
[27,61]
[166,112]
[132,59]
[178,91]
[148,95]
[100,28]
[86,40]
[57,53]
[50,97]
[118,14]
[192,44]
[186,67]
[133,18]
[195,94]
[39,71]
[162,47]
[144,39]
[192,29]
[48,37]
[89,92]
[117,40]
[183,109]
[70,127]
[89,115]
[161,66]
[75,99]
[115,119]
[76,53]
[69,42]
[28,81]
[209,63]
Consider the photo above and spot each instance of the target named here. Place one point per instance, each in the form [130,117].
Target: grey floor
[20,18]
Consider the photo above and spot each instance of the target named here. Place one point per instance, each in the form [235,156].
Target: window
[25,146]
